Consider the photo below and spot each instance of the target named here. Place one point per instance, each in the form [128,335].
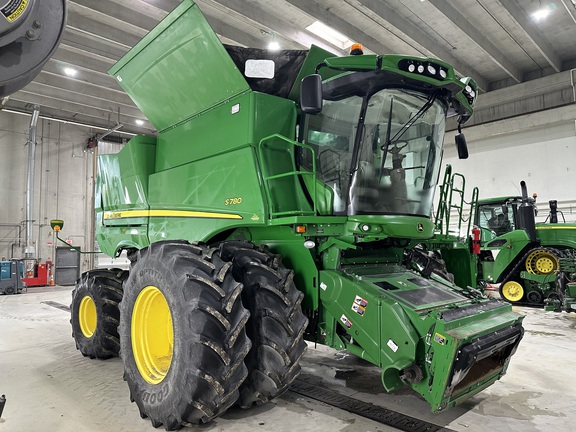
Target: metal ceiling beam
[230,32]
[85,59]
[274,25]
[421,38]
[322,13]
[165,5]
[57,115]
[93,43]
[78,18]
[64,99]
[533,34]
[88,76]
[478,38]
[133,12]
[83,88]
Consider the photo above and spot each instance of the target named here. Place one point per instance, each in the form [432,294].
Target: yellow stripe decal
[168,213]
[551,227]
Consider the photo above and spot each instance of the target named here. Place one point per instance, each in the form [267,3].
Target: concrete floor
[50,387]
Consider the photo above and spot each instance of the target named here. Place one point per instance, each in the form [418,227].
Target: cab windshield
[379,154]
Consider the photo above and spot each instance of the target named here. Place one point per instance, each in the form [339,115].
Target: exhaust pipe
[29,251]
[526,216]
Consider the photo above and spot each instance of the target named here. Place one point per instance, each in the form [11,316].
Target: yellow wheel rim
[87,316]
[542,262]
[513,291]
[152,335]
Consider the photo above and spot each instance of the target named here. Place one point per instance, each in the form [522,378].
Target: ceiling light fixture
[139,122]
[273,46]
[70,71]
[541,13]
[329,34]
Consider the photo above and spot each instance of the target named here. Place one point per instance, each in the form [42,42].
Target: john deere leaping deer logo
[420,227]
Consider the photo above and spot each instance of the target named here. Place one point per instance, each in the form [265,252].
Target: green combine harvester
[279,203]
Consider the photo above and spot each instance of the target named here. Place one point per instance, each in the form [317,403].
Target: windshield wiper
[387,142]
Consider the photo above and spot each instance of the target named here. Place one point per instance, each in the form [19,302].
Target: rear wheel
[276,326]
[512,291]
[95,314]
[542,261]
[183,335]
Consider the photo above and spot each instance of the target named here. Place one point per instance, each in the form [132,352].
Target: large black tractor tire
[94,312]
[182,332]
[276,326]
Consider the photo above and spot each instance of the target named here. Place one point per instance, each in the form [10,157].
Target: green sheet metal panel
[245,119]
[122,182]
[194,73]
[209,196]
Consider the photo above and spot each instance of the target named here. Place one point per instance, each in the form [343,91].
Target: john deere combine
[277,204]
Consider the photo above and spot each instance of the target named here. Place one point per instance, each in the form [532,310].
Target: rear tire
[182,332]
[276,326]
[94,312]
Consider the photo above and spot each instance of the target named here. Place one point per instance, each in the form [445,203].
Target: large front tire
[94,312]
[182,332]
[276,326]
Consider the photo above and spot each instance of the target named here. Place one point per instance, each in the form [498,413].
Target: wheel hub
[542,262]
[512,291]
[152,335]
[87,316]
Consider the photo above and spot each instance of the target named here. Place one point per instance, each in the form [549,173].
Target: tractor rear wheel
[276,326]
[543,261]
[512,291]
[182,332]
[95,314]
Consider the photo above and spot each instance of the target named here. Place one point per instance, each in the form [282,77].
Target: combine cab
[278,203]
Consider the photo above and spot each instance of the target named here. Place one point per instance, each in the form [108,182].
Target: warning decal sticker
[14,9]
[438,338]
[359,305]
[346,321]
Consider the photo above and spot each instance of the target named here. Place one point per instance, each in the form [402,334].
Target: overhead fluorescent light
[139,122]
[70,71]
[273,46]
[329,34]
[541,13]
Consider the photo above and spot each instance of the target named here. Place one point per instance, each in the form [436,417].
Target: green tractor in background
[279,203]
[499,242]
[534,263]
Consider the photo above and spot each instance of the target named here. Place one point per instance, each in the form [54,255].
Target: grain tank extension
[259,218]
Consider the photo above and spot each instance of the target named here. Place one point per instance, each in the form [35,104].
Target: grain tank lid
[179,69]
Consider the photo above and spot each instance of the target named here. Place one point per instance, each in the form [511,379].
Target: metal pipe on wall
[29,250]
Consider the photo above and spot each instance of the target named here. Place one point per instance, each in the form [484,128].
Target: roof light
[431,70]
[420,68]
[273,46]
[329,34]
[70,71]
[139,122]
[356,49]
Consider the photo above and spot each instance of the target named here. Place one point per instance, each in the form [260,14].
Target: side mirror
[461,146]
[311,94]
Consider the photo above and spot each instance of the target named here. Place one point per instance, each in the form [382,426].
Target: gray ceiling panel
[521,64]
